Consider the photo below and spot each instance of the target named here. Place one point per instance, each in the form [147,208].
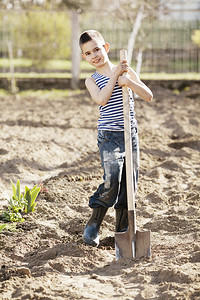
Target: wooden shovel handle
[128,142]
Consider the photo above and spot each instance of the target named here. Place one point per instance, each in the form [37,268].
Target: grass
[62,65]
[43,75]
[168,76]
[63,68]
[18,62]
[83,75]
[36,75]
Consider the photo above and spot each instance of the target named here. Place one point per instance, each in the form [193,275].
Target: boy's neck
[106,69]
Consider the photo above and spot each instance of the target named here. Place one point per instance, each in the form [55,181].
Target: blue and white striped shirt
[111,114]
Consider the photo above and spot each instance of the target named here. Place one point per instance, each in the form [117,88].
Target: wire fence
[167,45]
[41,41]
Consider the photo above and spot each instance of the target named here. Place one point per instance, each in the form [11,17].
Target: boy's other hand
[123,80]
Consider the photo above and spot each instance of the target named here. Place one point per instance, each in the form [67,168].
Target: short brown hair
[90,35]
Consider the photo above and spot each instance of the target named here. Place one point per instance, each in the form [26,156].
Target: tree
[196,37]
[135,11]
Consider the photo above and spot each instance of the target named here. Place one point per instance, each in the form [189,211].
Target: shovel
[131,243]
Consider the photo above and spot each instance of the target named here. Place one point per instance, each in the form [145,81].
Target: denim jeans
[112,150]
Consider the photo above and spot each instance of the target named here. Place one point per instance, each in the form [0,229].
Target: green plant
[2,226]
[11,216]
[16,205]
[30,196]
[20,203]
[39,35]
[17,202]
[196,37]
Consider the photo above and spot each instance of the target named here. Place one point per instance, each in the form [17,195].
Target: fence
[41,41]
[167,46]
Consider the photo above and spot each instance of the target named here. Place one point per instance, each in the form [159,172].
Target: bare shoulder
[92,88]
[91,85]
[89,82]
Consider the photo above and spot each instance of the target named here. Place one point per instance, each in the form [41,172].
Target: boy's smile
[95,53]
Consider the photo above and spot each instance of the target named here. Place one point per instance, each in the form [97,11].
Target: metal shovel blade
[132,245]
[124,246]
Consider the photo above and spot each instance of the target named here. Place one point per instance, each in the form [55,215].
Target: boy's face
[95,53]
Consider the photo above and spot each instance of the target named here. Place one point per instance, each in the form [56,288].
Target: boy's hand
[123,80]
[122,67]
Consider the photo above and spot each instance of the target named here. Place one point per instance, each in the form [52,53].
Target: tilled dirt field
[51,140]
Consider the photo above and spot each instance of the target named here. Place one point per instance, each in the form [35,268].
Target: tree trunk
[139,61]
[138,67]
[75,50]
[136,27]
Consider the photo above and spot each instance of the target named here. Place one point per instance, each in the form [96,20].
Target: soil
[50,140]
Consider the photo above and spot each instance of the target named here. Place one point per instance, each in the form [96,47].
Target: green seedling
[20,203]
[11,216]
[30,196]
[16,205]
[2,226]
[17,202]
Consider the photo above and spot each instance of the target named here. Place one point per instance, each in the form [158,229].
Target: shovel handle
[128,142]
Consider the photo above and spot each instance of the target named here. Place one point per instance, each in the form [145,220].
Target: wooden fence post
[12,69]
[75,50]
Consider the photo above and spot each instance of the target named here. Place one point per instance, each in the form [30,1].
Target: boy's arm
[100,96]
[135,84]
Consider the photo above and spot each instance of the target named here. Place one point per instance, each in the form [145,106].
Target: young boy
[105,88]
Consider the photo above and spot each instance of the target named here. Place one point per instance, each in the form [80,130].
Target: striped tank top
[111,114]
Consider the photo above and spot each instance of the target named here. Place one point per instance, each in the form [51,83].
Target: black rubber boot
[91,232]
[121,220]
